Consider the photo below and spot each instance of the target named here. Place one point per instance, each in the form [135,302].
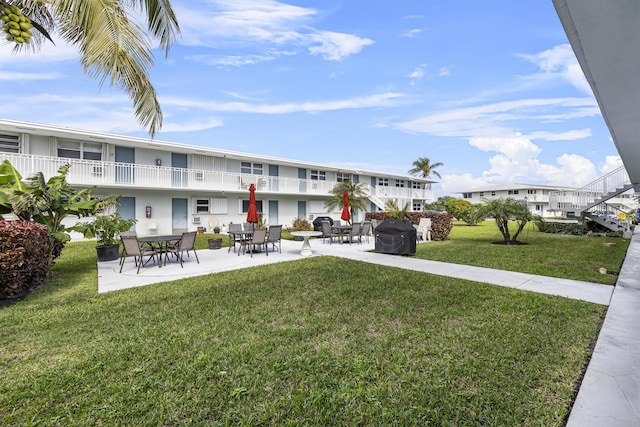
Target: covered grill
[317,223]
[395,236]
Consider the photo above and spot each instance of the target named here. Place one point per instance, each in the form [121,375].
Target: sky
[491,89]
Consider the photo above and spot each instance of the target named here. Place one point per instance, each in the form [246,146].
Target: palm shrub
[509,210]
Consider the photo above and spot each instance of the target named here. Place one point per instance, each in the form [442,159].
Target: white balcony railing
[110,174]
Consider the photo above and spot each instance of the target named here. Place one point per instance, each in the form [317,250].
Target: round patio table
[306,247]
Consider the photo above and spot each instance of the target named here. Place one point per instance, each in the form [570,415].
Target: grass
[555,255]
[321,341]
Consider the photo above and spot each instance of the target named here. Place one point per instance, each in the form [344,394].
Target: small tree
[505,210]
[356,197]
[472,214]
[455,206]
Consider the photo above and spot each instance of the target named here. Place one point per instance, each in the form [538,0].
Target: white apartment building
[536,196]
[171,187]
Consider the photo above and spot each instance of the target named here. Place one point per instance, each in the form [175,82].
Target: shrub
[301,224]
[441,223]
[24,257]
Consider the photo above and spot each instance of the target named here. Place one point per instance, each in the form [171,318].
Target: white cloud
[336,46]
[560,61]
[496,120]
[412,33]
[376,100]
[611,163]
[518,149]
[257,24]
[22,76]
[444,72]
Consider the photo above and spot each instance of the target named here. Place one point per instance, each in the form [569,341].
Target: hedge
[441,223]
[24,257]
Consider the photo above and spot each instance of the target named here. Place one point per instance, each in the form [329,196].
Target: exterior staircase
[593,201]
[373,197]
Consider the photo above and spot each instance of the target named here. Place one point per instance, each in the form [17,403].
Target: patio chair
[132,248]
[258,239]
[275,237]
[186,243]
[355,232]
[365,230]
[327,233]
[235,238]
[424,229]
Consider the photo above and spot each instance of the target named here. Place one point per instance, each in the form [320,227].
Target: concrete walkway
[610,392]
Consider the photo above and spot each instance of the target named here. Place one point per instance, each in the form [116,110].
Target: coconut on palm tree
[356,198]
[111,43]
[424,168]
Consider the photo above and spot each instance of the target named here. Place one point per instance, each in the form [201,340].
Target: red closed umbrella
[252,213]
[345,210]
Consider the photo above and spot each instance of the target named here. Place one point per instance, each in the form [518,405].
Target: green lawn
[320,341]
[569,257]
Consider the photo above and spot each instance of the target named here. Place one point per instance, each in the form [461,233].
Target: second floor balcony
[136,176]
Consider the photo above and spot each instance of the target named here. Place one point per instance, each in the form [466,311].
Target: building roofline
[74,133]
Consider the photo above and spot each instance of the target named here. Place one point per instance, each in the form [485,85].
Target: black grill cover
[395,236]
[317,223]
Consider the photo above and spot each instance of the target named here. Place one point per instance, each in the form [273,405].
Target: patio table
[243,235]
[161,242]
[306,247]
[342,230]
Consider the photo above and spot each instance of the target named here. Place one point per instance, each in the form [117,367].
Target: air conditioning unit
[264,181]
[199,176]
[196,220]
[97,170]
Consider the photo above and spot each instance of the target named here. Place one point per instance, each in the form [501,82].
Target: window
[202,206]
[318,175]
[416,185]
[245,206]
[513,192]
[343,177]
[493,193]
[481,193]
[400,183]
[417,206]
[467,195]
[538,208]
[531,191]
[383,182]
[252,168]
[79,150]
[9,143]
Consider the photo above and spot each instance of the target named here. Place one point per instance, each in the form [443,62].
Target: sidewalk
[218,260]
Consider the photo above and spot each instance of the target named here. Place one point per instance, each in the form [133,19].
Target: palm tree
[112,45]
[423,167]
[356,199]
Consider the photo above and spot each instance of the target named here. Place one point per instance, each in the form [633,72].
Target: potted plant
[107,229]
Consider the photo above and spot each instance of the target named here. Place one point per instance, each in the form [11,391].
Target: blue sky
[491,89]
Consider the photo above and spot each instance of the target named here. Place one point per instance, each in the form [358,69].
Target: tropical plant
[424,168]
[509,210]
[112,45]
[394,211]
[356,197]
[49,202]
[106,228]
